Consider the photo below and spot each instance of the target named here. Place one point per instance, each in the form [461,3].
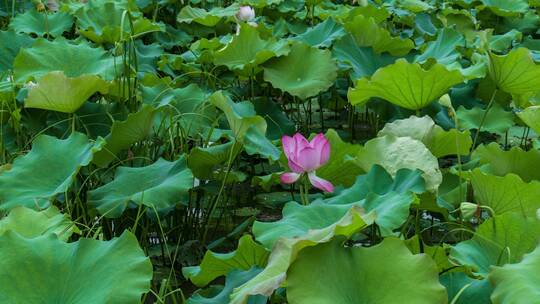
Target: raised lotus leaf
[385,273]
[499,240]
[531,117]
[367,32]
[394,153]
[158,186]
[8,51]
[105,23]
[517,283]
[465,290]
[115,271]
[313,71]
[214,265]
[497,120]
[323,34]
[507,193]
[62,55]
[443,49]
[37,177]
[190,14]
[125,133]
[507,7]
[515,73]
[437,140]
[497,161]
[286,250]
[30,223]
[406,84]
[41,24]
[57,92]
[205,161]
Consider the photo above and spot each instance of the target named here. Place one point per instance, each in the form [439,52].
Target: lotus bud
[245,13]
[468,210]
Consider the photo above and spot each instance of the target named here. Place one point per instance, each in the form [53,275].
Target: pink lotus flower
[245,13]
[306,157]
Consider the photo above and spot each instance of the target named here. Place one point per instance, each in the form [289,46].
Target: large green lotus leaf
[34,22]
[30,223]
[498,241]
[204,162]
[437,140]
[438,253]
[385,273]
[363,60]
[285,251]
[517,283]
[278,122]
[190,14]
[125,133]
[147,56]
[8,51]
[341,168]
[47,170]
[507,7]
[515,73]
[394,153]
[57,92]
[235,278]
[474,291]
[47,270]
[160,185]
[505,194]
[443,49]
[214,265]
[248,127]
[531,117]
[500,162]
[367,32]
[500,43]
[323,34]
[247,50]
[497,119]
[102,23]
[61,55]
[406,84]
[305,72]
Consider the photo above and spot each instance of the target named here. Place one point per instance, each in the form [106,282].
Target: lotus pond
[270,151]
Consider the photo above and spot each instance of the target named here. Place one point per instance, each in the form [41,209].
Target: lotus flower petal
[289,177]
[320,183]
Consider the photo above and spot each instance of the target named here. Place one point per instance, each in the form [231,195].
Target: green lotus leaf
[367,32]
[507,7]
[190,14]
[505,194]
[47,170]
[125,133]
[30,223]
[102,23]
[331,273]
[248,127]
[517,283]
[235,278]
[214,265]
[495,160]
[394,153]
[147,56]
[247,50]
[305,72]
[474,291]
[497,119]
[406,84]
[286,250]
[61,55]
[323,34]
[160,185]
[378,13]
[362,60]
[500,43]
[515,73]
[91,271]
[34,22]
[204,162]
[341,168]
[498,241]
[8,51]
[56,92]
[278,122]
[531,117]
[438,141]
[443,49]
[437,253]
